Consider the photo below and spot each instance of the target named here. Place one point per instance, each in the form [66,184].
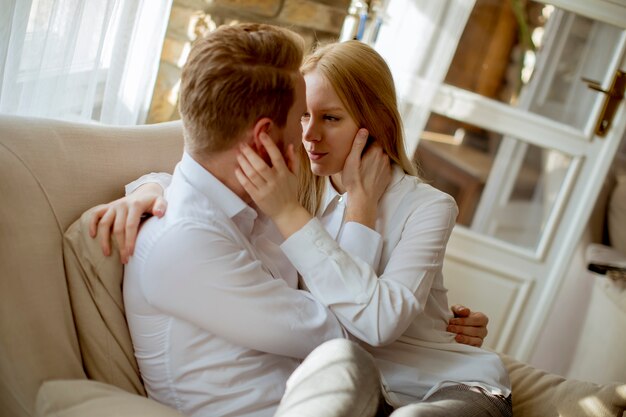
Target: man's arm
[210,277]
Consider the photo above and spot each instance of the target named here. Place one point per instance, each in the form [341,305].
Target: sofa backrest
[50,173]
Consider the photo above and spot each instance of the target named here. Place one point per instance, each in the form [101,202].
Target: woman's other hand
[470,327]
[365,177]
[123,217]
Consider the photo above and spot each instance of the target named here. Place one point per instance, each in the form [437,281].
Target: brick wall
[313,19]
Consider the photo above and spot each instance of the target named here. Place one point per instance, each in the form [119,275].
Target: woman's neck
[336,181]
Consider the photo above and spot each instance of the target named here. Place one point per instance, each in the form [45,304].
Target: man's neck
[222,166]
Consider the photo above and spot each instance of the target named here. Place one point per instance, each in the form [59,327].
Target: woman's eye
[331,118]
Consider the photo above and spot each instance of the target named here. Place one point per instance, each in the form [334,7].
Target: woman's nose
[309,132]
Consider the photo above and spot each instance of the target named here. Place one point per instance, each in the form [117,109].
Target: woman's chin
[318,169]
[323,170]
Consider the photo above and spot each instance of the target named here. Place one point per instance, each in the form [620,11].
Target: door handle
[614,95]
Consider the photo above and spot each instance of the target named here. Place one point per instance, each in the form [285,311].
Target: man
[217,322]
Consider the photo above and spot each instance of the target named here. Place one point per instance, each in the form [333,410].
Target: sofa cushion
[539,393]
[95,288]
[80,398]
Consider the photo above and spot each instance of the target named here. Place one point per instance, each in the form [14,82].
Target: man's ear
[263,125]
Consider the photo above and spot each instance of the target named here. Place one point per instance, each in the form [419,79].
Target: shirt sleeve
[218,285]
[362,242]
[375,308]
[162,178]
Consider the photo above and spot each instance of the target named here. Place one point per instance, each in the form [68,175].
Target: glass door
[512,137]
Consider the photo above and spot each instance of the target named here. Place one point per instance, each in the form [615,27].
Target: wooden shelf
[461,171]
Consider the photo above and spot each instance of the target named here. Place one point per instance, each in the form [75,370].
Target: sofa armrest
[539,393]
[82,397]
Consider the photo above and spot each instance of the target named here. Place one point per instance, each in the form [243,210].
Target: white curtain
[90,60]
[418,40]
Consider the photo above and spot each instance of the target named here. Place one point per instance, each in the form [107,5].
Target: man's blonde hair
[235,76]
[363,82]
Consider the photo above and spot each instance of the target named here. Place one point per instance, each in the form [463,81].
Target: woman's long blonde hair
[363,82]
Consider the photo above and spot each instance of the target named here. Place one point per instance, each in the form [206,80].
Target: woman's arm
[376,308]
[123,216]
[163,179]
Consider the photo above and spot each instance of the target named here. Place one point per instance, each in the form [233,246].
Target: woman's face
[327,128]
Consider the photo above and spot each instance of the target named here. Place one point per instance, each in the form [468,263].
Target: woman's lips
[316,156]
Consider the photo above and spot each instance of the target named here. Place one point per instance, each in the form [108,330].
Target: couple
[211,292]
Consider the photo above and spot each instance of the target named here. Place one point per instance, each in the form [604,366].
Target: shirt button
[341,199]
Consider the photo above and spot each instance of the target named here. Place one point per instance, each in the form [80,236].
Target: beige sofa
[61,315]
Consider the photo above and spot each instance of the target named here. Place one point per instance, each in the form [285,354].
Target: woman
[378,239]
[383,278]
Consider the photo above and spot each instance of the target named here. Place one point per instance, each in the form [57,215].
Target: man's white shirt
[217,322]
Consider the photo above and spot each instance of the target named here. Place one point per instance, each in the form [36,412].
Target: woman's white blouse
[386,287]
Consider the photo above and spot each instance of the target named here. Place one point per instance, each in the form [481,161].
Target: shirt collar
[396,175]
[331,195]
[219,194]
